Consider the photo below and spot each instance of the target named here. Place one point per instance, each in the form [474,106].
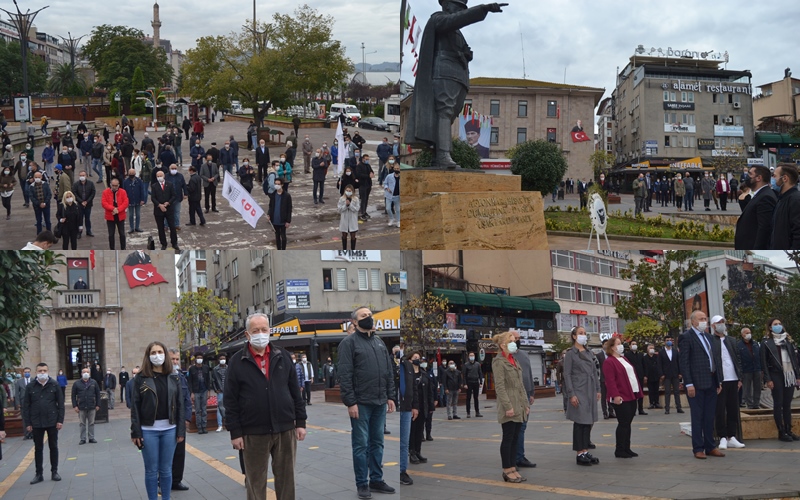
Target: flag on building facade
[142,275]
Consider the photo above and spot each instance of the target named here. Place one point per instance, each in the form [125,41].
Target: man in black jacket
[109,385]
[452,381]
[123,381]
[366,380]
[364,175]
[669,366]
[164,197]
[320,168]
[652,375]
[634,357]
[409,410]
[279,213]
[274,416]
[84,191]
[786,221]
[43,412]
[754,227]
[474,378]
[200,383]
[329,374]
[262,160]
[194,188]
[86,403]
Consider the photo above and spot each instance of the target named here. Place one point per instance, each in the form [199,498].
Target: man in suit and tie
[262,160]
[164,198]
[754,227]
[700,363]
[19,393]
[669,365]
[728,400]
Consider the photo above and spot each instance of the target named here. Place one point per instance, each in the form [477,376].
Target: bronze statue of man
[442,79]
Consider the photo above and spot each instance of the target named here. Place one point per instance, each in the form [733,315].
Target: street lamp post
[23,23]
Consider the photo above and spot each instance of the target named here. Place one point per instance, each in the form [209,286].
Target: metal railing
[78,298]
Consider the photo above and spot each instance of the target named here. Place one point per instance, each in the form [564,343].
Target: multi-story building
[605,127]
[47,47]
[680,112]
[192,274]
[775,111]
[309,295]
[110,322]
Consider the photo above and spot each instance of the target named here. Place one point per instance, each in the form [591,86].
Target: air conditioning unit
[630,112]
[256,263]
[251,310]
[226,285]
[729,120]
[737,105]
[215,257]
[751,149]
[634,130]
[217,292]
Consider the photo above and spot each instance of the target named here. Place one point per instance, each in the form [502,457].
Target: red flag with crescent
[142,275]
[580,136]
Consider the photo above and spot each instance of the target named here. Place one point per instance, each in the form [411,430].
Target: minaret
[156,24]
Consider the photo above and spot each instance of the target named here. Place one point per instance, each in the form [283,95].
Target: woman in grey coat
[709,188]
[348,207]
[582,388]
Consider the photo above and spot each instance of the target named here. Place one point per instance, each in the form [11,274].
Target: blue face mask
[773,185]
[28,375]
[777,328]
[669,343]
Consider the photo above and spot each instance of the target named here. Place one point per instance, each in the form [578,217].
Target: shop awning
[452,296]
[483,299]
[519,303]
[776,139]
[545,305]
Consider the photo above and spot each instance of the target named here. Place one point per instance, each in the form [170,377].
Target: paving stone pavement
[113,468]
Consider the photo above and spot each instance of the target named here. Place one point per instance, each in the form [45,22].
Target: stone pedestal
[469,211]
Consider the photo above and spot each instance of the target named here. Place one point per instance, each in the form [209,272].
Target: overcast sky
[592,38]
[778,257]
[184,22]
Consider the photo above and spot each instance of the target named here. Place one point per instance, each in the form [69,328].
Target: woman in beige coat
[512,403]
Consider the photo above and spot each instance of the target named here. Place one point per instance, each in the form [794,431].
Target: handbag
[57,231]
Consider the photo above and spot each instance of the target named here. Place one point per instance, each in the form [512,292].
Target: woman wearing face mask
[582,390]
[62,382]
[280,213]
[285,171]
[391,192]
[347,178]
[69,216]
[781,374]
[348,207]
[512,403]
[426,399]
[246,175]
[7,183]
[623,391]
[157,418]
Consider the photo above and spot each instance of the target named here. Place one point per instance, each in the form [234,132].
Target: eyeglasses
[259,330]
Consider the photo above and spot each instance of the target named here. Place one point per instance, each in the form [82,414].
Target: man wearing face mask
[180,189]
[266,426]
[639,193]
[308,150]
[210,175]
[129,387]
[473,375]
[652,375]
[308,377]
[754,227]
[136,190]
[115,204]
[366,379]
[728,400]
[200,383]
[86,403]
[179,458]
[781,374]
[364,174]
[320,168]
[391,192]
[636,359]
[453,381]
[226,157]
[43,412]
[218,375]
[749,355]
[329,374]
[700,364]
[164,197]
[669,366]
[198,154]
[408,406]
[110,385]
[85,192]
[40,198]
[786,226]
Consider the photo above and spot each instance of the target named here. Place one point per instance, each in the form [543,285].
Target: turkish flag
[579,136]
[79,263]
[142,275]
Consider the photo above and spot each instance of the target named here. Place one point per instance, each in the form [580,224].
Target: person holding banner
[348,208]
[280,213]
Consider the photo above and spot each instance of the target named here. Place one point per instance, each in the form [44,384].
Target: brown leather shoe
[715,453]
[700,455]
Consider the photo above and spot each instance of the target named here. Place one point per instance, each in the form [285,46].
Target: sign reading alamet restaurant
[720,88]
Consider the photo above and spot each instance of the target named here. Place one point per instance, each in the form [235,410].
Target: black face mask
[415,361]
[366,323]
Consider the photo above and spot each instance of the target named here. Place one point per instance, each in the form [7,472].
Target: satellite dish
[599,218]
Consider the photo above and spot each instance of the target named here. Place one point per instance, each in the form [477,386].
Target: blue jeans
[405,434]
[521,442]
[86,218]
[179,155]
[396,201]
[176,210]
[42,213]
[220,409]
[703,407]
[159,448]
[688,200]
[97,166]
[134,216]
[367,441]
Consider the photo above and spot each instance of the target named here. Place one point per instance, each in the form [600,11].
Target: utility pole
[72,45]
[23,23]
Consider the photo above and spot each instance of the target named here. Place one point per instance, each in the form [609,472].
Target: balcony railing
[78,298]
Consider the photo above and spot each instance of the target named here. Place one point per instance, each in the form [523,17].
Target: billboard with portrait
[22,109]
[695,295]
[476,132]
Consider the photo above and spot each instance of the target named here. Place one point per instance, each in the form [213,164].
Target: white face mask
[157,359]
[424,364]
[582,339]
[222,361]
[702,326]
[42,377]
[348,193]
[176,368]
[620,349]
[199,361]
[69,200]
[721,328]
[259,340]
[82,178]
[651,351]
[748,337]
[472,358]
[452,367]
[38,180]
[634,348]
[173,171]
[512,347]
[85,376]
[161,180]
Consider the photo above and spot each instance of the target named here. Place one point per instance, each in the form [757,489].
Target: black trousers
[321,186]
[652,391]
[672,388]
[417,434]
[7,205]
[640,402]
[727,421]
[581,436]
[472,393]
[38,444]
[723,201]
[194,209]
[428,424]
[307,390]
[781,402]
[608,409]
[625,412]
[121,393]
[118,226]
[363,193]
[161,218]
[69,239]
[178,461]
[508,446]
[210,192]
[280,236]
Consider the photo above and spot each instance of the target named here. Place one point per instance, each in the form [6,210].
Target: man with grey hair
[179,458]
[366,380]
[274,418]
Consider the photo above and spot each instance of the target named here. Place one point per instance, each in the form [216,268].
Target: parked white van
[350,112]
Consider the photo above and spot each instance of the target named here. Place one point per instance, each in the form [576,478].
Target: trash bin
[102,414]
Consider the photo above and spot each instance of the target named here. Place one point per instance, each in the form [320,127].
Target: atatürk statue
[443,78]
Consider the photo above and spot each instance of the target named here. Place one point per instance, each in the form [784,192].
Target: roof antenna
[565,75]
[522,43]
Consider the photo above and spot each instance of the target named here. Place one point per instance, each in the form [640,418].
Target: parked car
[351,112]
[373,123]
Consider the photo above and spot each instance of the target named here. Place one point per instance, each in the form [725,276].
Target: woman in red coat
[623,391]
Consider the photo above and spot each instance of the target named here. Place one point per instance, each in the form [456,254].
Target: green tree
[137,84]
[11,70]
[201,318]
[123,55]
[26,279]
[657,292]
[644,331]
[101,38]
[601,161]
[424,321]
[65,81]
[463,154]
[540,163]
